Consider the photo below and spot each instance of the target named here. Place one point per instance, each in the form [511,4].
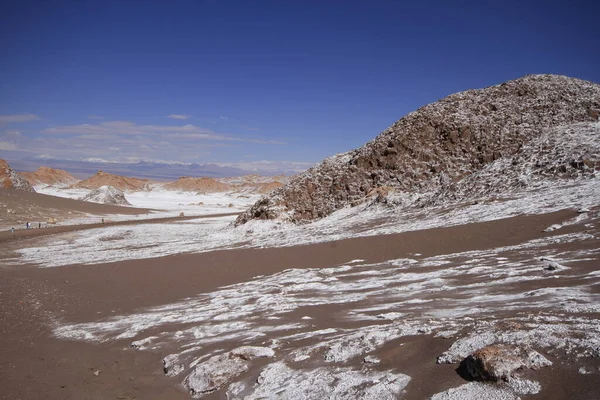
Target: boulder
[501,361]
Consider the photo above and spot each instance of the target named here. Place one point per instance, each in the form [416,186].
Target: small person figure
[39,225]
[26,225]
[102,220]
[12,231]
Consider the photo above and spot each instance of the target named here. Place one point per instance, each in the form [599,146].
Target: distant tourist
[102,220]
[27,225]
[39,225]
[12,231]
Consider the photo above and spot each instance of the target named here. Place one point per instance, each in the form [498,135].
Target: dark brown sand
[39,208]
[36,365]
[16,198]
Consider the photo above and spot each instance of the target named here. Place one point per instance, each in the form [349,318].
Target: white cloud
[18,118]
[223,118]
[98,160]
[178,116]
[125,128]
[122,140]
[114,128]
[7,146]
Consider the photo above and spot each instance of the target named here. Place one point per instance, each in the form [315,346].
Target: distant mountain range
[143,169]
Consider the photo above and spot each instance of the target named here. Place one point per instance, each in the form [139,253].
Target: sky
[246,82]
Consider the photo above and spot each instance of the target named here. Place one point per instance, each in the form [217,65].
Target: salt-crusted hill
[12,180]
[49,176]
[107,195]
[435,152]
[105,179]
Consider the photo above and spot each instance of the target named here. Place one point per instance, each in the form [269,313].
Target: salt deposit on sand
[351,222]
[501,295]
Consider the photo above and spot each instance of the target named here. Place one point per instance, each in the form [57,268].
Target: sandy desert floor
[384,307]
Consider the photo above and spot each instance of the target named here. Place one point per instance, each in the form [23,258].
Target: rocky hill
[107,195]
[202,185]
[49,176]
[120,182]
[12,180]
[436,150]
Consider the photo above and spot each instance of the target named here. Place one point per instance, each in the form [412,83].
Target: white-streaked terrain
[218,233]
[472,298]
[487,285]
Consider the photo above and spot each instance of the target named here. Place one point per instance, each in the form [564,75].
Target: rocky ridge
[49,176]
[11,179]
[202,185]
[119,182]
[435,150]
[255,183]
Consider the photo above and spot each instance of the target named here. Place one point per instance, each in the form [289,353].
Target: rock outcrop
[49,176]
[107,195]
[11,179]
[436,146]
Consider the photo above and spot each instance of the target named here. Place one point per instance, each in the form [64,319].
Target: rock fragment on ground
[172,366]
[501,361]
[220,370]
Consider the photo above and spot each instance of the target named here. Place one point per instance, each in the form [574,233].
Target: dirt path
[52,230]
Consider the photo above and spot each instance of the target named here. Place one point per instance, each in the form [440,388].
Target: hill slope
[49,176]
[427,152]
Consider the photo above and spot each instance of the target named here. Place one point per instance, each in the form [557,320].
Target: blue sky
[250,81]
